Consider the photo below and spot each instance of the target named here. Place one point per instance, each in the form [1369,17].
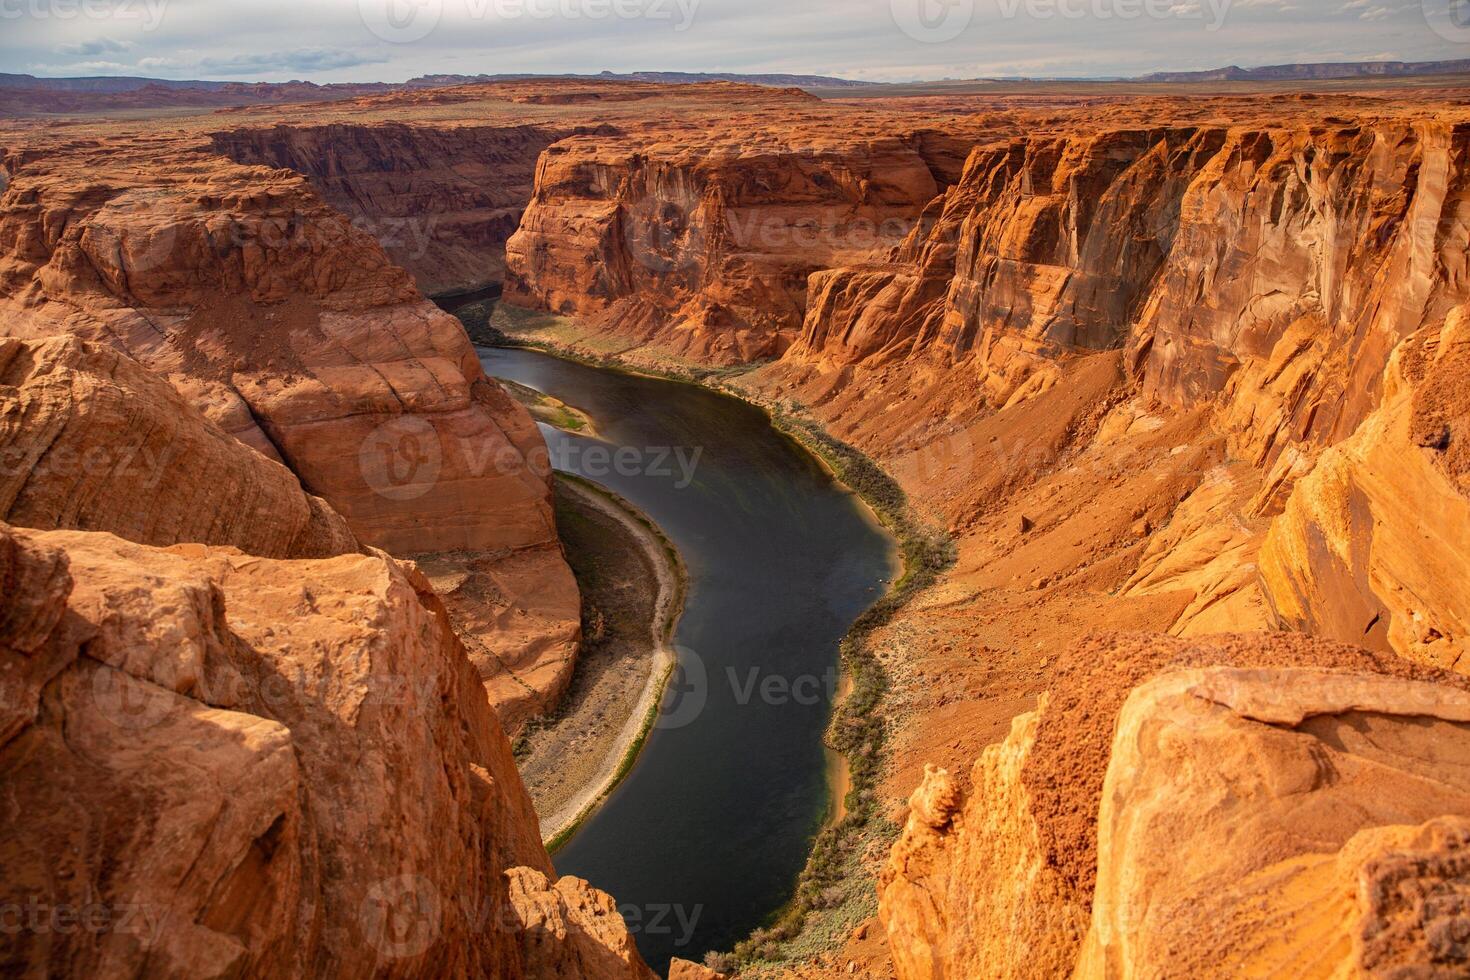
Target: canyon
[1178,377]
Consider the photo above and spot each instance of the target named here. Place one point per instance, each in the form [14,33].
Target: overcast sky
[391,40]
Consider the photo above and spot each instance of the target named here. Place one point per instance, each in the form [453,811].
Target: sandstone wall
[290,329]
[1275,269]
[90,440]
[1265,275]
[1374,544]
[702,245]
[1361,873]
[442,201]
[219,764]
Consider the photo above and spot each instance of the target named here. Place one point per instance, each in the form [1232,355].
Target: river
[705,838]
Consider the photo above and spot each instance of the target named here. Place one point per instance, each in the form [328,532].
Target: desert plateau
[944,491]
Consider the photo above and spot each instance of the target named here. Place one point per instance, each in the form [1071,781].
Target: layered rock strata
[289,328]
[441,201]
[90,440]
[701,248]
[1374,545]
[1264,276]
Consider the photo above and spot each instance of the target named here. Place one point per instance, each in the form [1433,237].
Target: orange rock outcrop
[701,247]
[1374,538]
[93,441]
[1104,836]
[251,766]
[288,328]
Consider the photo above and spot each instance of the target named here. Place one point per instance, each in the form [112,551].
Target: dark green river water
[705,838]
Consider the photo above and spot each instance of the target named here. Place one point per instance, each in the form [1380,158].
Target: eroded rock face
[1351,229]
[226,764]
[289,328]
[1005,878]
[441,201]
[90,440]
[966,892]
[570,929]
[684,970]
[1363,872]
[1374,544]
[1272,270]
[1262,276]
[702,247]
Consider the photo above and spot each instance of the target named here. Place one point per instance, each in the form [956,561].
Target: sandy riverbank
[633,589]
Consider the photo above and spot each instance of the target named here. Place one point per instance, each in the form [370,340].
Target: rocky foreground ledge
[220,764]
[1215,809]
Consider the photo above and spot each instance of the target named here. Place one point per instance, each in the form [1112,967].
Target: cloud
[301,60]
[105,45]
[82,68]
[328,40]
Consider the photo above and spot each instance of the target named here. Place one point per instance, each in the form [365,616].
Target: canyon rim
[999,527]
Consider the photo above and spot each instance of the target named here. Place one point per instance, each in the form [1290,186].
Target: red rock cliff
[91,440]
[227,765]
[701,246]
[1265,276]
[290,329]
[441,201]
